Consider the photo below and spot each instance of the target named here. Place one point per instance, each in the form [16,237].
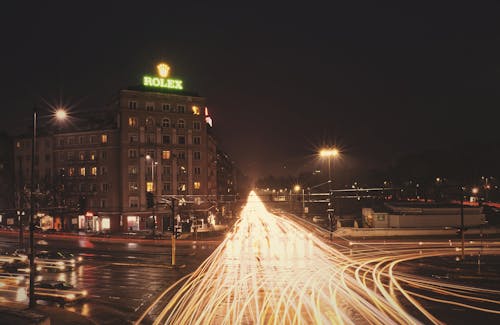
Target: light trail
[270,271]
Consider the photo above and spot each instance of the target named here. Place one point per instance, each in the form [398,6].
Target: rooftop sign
[162,81]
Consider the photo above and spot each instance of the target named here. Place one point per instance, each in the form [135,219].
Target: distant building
[99,169]
[421,215]
[7,213]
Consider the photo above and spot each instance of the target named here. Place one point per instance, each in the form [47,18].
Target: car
[58,291]
[56,261]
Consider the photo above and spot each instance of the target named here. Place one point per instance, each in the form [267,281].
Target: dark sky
[379,79]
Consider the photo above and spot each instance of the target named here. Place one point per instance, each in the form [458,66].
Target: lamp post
[59,114]
[153,163]
[297,189]
[329,153]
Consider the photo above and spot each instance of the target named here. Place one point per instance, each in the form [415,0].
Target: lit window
[104,138]
[197,185]
[93,171]
[132,187]
[71,171]
[196,110]
[82,171]
[182,187]
[149,186]
[81,156]
[92,156]
[18,144]
[180,124]
[165,154]
[132,122]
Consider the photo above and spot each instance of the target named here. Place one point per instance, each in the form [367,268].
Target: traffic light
[150,199]
[178,232]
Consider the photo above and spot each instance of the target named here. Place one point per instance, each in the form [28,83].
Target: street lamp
[153,164]
[329,153]
[59,114]
[297,189]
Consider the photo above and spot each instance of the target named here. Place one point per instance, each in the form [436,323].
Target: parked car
[58,291]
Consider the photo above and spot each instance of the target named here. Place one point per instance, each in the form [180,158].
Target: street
[121,278]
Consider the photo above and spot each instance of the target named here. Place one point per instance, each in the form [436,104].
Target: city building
[421,215]
[94,173]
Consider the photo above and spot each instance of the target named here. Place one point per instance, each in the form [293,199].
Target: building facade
[93,174]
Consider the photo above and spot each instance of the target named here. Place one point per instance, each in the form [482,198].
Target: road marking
[151,265]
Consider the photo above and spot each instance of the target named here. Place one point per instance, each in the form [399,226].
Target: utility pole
[462,230]
[32,299]
[172,201]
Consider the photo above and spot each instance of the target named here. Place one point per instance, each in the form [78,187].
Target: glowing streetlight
[60,115]
[329,153]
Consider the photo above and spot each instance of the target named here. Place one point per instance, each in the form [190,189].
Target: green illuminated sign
[158,82]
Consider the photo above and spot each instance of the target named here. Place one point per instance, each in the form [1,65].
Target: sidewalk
[19,314]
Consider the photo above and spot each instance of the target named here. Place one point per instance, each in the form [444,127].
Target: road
[122,278]
[271,269]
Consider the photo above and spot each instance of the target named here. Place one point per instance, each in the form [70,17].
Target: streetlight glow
[61,114]
[333,152]
[296,188]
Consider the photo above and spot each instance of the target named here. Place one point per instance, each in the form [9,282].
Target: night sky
[378,79]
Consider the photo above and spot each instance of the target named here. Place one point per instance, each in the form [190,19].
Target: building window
[167,171]
[93,187]
[82,171]
[133,202]
[197,185]
[133,187]
[71,140]
[166,188]
[149,187]
[132,122]
[150,107]
[181,124]
[132,153]
[197,170]
[165,123]
[92,155]
[93,139]
[62,142]
[181,139]
[104,170]
[181,108]
[71,171]
[196,140]
[93,171]
[81,155]
[82,187]
[81,140]
[71,155]
[196,155]
[181,155]
[133,138]
[150,122]
[132,170]
[196,110]
[104,155]
[196,125]
[104,138]
[166,139]
[132,104]
[103,203]
[150,138]
[105,187]
[18,143]
[166,107]
[165,154]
